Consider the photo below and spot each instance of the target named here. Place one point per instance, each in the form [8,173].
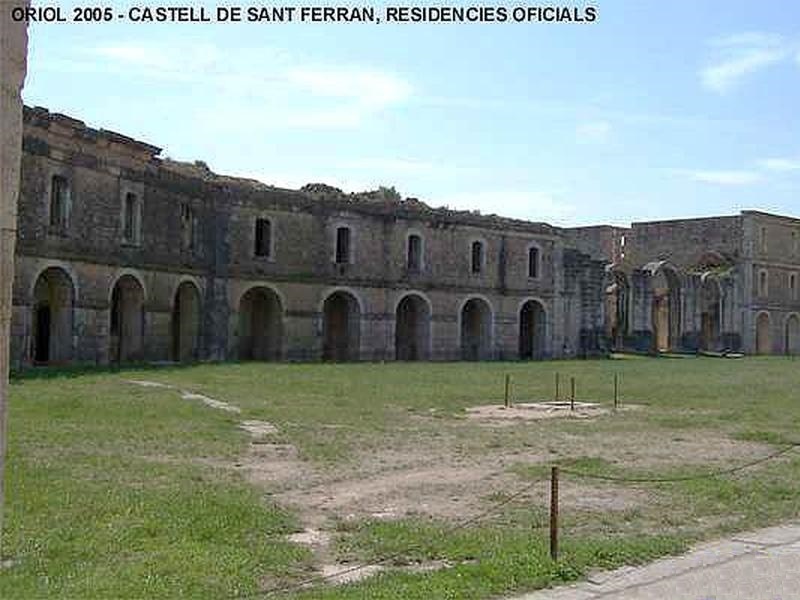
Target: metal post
[508,382]
[616,391]
[572,393]
[557,391]
[554,513]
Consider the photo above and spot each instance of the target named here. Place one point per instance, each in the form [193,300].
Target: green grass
[117,491]
[106,498]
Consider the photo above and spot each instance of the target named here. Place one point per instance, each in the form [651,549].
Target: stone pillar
[13,62]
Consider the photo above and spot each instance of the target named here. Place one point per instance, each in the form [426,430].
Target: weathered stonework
[295,303]
[123,256]
[718,283]
[13,62]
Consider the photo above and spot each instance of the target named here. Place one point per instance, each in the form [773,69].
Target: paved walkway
[760,565]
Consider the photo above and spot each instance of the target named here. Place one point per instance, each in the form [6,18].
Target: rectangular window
[795,244]
[130,229]
[414,253]
[533,262]
[763,284]
[342,245]
[59,201]
[187,227]
[477,257]
[263,240]
[793,286]
[764,240]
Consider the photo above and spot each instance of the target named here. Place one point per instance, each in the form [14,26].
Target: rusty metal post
[557,385]
[508,382]
[554,513]
[572,393]
[616,391]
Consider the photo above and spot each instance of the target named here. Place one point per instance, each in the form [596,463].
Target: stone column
[13,62]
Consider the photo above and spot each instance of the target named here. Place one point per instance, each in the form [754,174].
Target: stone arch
[341,326]
[710,313]
[134,274]
[53,306]
[532,329]
[665,286]
[260,324]
[127,319]
[617,302]
[476,321]
[792,334]
[763,334]
[412,333]
[710,259]
[186,311]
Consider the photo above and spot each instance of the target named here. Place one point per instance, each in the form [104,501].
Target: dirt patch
[534,411]
[338,574]
[315,538]
[150,384]
[446,491]
[665,451]
[210,402]
[258,428]
[187,395]
[580,496]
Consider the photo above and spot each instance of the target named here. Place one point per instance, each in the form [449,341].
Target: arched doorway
[127,320]
[532,328]
[763,341]
[260,325]
[52,319]
[341,327]
[710,314]
[412,328]
[476,330]
[186,323]
[792,341]
[666,309]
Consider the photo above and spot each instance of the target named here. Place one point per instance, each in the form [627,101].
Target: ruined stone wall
[584,285]
[683,242]
[603,242]
[88,248]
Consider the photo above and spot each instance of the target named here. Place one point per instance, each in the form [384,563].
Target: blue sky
[657,110]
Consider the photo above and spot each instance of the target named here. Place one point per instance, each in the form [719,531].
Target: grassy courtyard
[123,490]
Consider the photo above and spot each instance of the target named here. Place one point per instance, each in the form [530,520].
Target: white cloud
[365,86]
[780,164]
[593,131]
[740,55]
[518,204]
[191,60]
[726,177]
[298,94]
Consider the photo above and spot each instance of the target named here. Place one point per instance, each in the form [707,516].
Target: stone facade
[13,67]
[124,256]
[720,283]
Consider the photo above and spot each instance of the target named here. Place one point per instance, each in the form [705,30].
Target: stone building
[124,256]
[715,284]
